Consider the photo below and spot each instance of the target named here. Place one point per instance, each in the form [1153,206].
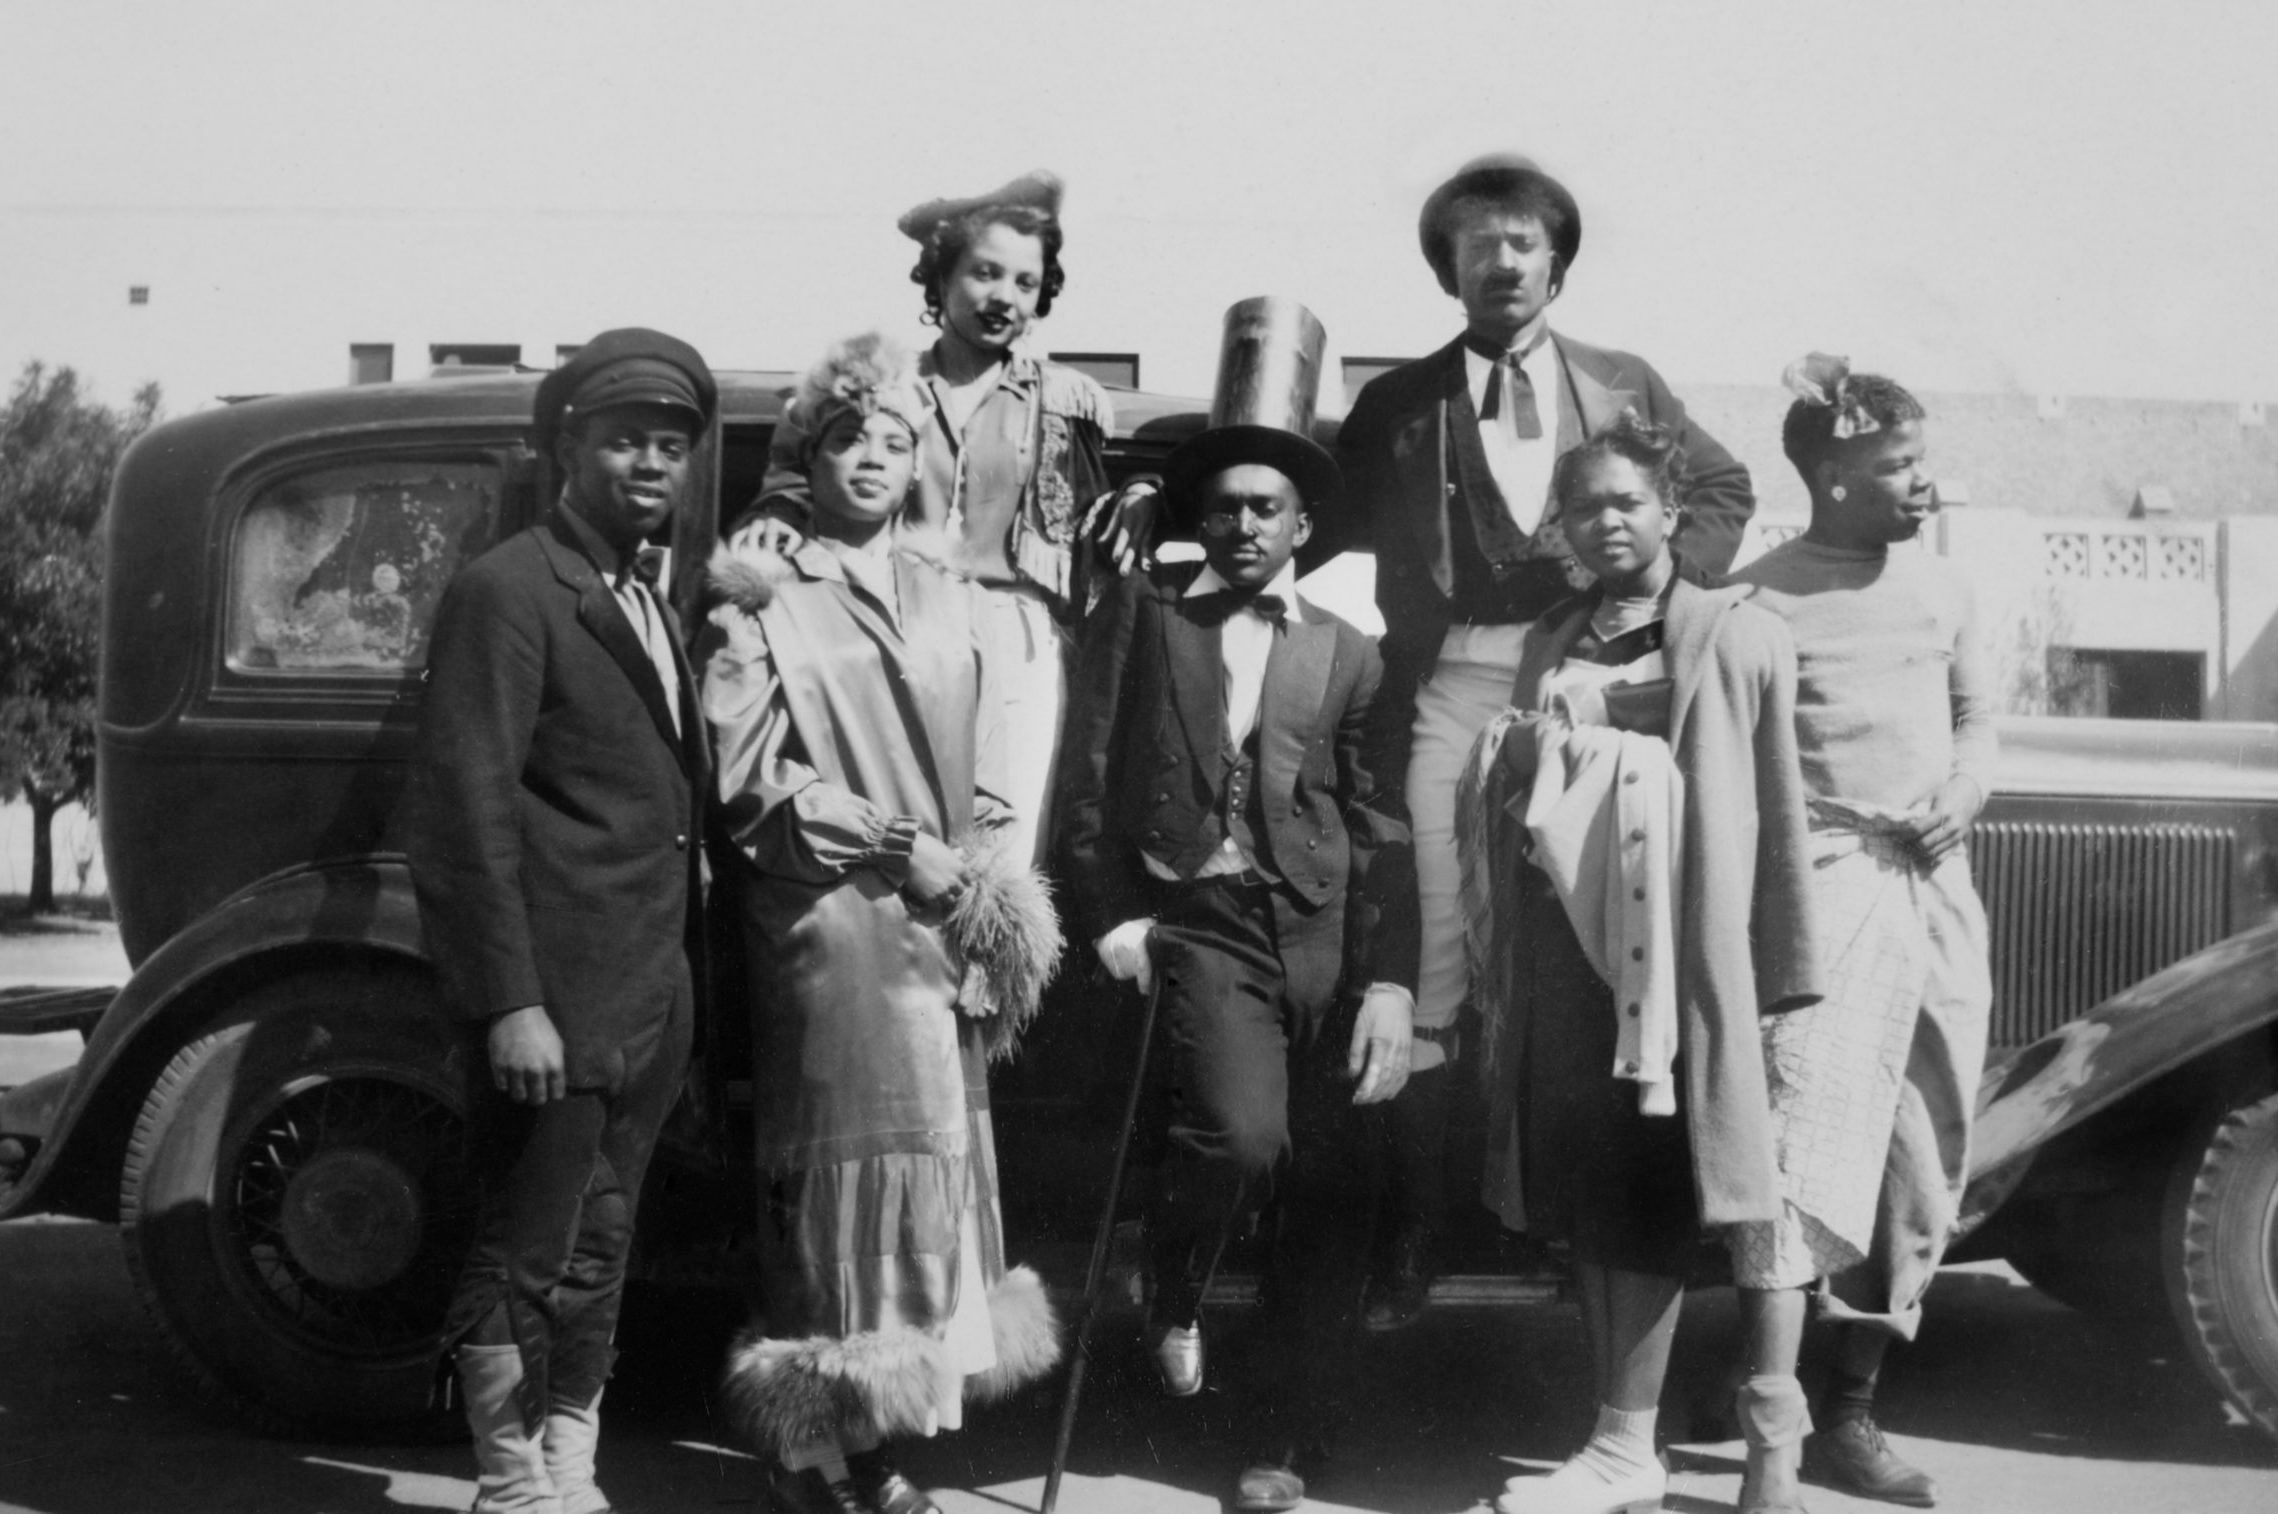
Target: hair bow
[1824,379]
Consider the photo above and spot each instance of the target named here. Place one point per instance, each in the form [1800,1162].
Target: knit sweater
[1894,687]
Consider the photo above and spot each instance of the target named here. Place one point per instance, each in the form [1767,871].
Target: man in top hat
[1448,461]
[552,827]
[1227,841]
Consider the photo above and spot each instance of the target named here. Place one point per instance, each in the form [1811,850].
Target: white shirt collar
[1476,368]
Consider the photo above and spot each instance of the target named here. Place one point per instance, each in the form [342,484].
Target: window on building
[449,355]
[1118,368]
[371,362]
[1359,370]
[2120,685]
[138,294]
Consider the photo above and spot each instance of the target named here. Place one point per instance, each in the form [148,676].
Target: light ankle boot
[572,1437]
[1774,1419]
[509,1460]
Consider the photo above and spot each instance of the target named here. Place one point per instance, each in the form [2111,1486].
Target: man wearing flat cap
[553,819]
[1448,461]
[1228,841]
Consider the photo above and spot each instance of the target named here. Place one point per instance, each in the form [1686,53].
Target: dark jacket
[1143,756]
[553,811]
[1393,449]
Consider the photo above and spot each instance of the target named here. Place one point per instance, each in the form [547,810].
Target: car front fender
[311,912]
[2177,1015]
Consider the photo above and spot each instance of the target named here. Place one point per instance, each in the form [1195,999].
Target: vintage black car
[268,1109]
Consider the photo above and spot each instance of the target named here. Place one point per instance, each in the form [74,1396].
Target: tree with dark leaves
[58,449]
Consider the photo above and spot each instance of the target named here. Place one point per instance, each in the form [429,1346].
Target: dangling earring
[1839,494]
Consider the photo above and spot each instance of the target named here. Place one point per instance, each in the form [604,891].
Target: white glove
[1123,952]
[1383,1036]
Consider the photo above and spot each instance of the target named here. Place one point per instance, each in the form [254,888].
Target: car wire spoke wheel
[295,1202]
[351,1203]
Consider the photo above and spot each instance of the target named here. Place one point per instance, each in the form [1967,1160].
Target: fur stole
[784,1395]
[1005,925]
[746,577]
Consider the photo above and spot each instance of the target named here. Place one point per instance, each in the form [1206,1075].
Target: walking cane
[1081,1357]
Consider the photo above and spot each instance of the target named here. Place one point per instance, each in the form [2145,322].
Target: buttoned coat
[1746,940]
[553,807]
[1144,759]
[1395,455]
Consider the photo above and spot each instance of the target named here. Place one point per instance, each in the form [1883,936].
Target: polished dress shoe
[1177,1350]
[783,1491]
[884,1488]
[1851,1455]
[1270,1483]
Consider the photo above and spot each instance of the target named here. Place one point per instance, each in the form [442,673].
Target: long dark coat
[553,808]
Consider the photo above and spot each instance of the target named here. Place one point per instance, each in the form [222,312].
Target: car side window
[337,570]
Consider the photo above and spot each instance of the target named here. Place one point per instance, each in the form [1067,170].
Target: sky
[2053,199]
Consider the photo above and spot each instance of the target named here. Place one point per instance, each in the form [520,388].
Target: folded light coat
[1746,942]
[1604,815]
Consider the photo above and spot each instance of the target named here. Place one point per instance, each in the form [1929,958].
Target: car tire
[295,1203]
[2224,1283]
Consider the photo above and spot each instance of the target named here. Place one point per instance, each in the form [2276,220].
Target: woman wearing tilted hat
[1012,470]
[895,948]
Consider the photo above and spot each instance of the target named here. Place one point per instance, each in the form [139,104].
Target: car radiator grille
[2079,912]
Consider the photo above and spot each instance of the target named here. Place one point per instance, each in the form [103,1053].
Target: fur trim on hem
[1006,924]
[1027,1334]
[746,579]
[784,1395]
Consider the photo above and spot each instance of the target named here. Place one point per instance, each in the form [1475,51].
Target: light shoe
[1578,1489]
[510,1462]
[1177,1350]
[572,1437]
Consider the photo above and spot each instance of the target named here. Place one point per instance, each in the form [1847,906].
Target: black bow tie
[647,565]
[1216,606]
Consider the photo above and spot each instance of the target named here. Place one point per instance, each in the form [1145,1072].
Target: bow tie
[646,565]
[1214,608]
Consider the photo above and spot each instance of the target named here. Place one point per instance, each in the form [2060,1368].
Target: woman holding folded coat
[1635,877]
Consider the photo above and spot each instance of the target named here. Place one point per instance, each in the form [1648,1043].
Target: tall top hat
[1261,409]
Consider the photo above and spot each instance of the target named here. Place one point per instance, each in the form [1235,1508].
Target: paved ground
[2016,1404]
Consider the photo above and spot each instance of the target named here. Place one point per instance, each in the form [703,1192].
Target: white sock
[1620,1445]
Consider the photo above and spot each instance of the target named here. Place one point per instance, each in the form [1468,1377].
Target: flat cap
[1498,175]
[1039,190]
[626,365]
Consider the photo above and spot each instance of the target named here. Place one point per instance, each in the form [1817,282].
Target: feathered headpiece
[866,375]
[1824,380]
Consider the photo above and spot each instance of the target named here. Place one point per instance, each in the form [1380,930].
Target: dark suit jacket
[1393,450]
[553,821]
[1142,759]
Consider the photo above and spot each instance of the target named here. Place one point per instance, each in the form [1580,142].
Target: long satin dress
[853,703]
